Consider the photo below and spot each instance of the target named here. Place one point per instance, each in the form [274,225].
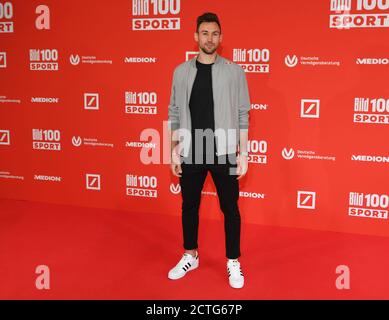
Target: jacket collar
[218,60]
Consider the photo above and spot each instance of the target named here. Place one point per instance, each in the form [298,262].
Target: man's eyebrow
[212,32]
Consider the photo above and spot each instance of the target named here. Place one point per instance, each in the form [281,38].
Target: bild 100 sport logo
[346,14]
[149,15]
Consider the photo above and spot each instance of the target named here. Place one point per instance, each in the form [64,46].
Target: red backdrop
[80,81]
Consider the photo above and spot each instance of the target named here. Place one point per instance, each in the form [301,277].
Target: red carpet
[105,254]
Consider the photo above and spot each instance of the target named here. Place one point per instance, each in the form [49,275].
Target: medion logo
[259,106]
[47,178]
[140,60]
[372,61]
[44,100]
[136,144]
[367,158]
[243,194]
[254,195]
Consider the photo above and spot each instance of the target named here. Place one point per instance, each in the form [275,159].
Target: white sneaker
[235,274]
[187,263]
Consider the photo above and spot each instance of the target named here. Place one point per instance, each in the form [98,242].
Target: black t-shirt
[201,107]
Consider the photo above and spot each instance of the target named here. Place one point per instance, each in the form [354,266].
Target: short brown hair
[208,17]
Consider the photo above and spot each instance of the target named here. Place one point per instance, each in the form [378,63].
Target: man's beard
[208,51]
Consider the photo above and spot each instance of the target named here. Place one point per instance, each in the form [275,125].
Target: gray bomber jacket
[231,102]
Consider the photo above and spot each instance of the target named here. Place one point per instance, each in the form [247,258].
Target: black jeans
[227,187]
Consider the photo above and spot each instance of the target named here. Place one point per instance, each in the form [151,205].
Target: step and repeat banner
[85,87]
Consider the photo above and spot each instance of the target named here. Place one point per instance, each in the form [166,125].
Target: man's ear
[221,37]
[196,37]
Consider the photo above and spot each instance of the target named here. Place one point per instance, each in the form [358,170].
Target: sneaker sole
[190,269]
[238,286]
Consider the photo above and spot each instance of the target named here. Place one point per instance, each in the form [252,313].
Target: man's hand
[242,168]
[176,165]
[176,169]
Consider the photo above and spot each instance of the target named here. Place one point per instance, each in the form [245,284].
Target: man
[210,100]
